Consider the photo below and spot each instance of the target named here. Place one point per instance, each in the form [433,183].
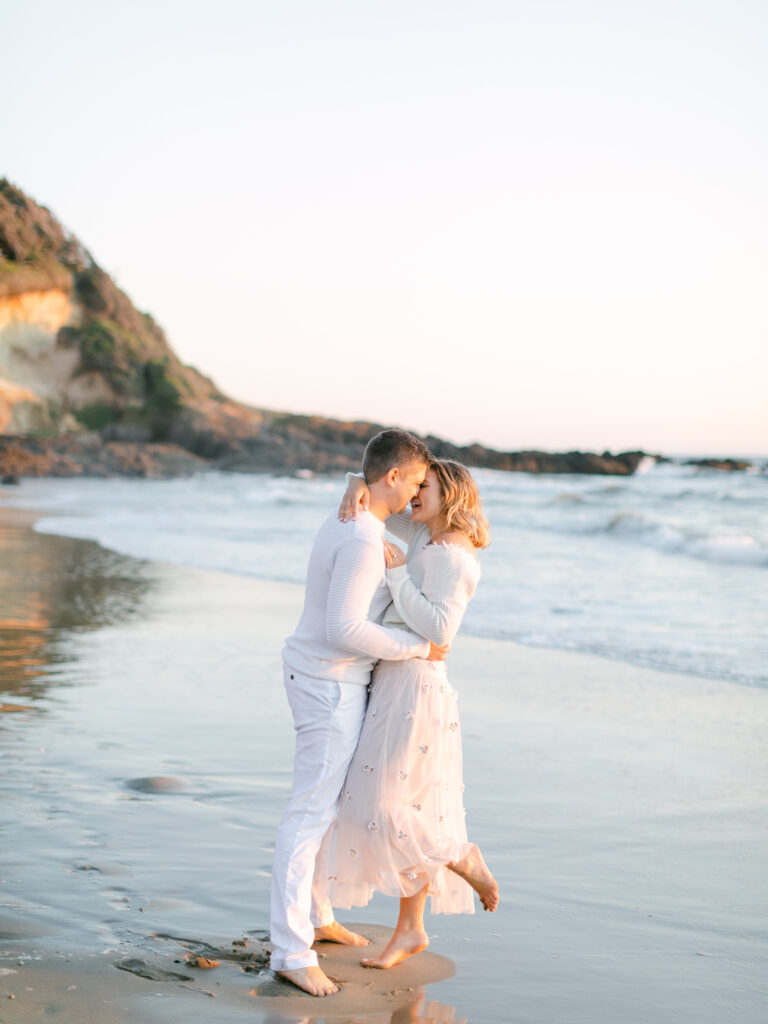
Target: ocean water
[667,568]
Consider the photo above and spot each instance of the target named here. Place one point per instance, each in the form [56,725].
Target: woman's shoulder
[456,539]
[455,547]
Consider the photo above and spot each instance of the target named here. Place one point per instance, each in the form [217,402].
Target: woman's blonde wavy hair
[462,508]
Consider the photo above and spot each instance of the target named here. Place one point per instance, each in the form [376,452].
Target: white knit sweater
[431,591]
[340,635]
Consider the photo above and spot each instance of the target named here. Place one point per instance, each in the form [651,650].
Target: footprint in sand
[144,970]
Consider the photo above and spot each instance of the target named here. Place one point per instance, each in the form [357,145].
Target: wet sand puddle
[249,954]
[365,995]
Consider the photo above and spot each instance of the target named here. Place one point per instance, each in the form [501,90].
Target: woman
[400,825]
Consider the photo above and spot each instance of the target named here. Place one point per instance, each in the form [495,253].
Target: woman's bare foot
[402,945]
[335,932]
[474,870]
[310,979]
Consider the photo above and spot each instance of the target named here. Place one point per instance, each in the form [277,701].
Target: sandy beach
[146,750]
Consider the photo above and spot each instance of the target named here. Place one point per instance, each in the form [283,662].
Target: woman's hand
[357,496]
[393,555]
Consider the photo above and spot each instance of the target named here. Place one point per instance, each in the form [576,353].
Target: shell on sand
[201,961]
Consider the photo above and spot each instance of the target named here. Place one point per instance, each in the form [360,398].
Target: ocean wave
[645,465]
[723,544]
[744,549]
[739,549]
[568,498]
[635,522]
[694,663]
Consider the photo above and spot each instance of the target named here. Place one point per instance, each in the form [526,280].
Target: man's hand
[438,653]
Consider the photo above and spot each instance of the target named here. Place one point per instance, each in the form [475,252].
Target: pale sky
[531,224]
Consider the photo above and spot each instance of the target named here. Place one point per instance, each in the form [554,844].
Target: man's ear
[392,476]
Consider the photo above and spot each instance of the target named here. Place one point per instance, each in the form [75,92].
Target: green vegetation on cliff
[127,348]
[35,251]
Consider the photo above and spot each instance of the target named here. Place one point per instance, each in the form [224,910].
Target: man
[327,666]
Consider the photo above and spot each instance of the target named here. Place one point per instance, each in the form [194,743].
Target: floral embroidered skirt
[400,818]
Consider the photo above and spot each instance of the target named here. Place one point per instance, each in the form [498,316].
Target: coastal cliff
[89,384]
[75,353]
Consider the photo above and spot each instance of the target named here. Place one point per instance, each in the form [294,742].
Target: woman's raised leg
[473,869]
[408,937]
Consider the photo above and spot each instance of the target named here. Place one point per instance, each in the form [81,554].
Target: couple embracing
[377,803]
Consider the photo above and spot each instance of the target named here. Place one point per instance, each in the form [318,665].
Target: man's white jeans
[328,717]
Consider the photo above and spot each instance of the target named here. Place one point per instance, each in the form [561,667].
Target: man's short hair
[391,448]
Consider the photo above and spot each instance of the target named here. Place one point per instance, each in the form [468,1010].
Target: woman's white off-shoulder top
[431,591]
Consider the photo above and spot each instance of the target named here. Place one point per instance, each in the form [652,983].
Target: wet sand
[623,810]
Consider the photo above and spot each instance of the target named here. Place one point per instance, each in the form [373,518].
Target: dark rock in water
[727,465]
[621,464]
[158,784]
[10,479]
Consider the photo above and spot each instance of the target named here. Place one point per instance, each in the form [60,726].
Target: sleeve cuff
[349,476]
[397,574]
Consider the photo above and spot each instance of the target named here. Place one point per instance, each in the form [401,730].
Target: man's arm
[354,579]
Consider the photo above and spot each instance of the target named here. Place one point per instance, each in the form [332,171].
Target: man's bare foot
[474,870]
[335,932]
[311,979]
[400,947]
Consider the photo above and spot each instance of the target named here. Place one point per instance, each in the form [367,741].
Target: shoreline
[18,514]
[607,799]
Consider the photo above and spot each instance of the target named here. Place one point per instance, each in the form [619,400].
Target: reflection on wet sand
[49,585]
[365,996]
[417,1010]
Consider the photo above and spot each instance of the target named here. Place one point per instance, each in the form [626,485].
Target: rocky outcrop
[325,445]
[322,446]
[89,455]
[727,465]
[621,464]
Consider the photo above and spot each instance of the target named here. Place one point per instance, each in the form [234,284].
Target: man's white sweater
[339,635]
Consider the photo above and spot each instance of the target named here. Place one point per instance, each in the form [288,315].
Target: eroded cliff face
[49,310]
[39,380]
[43,383]
[35,373]
[76,354]
[21,410]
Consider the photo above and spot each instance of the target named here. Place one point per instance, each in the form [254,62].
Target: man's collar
[375,521]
